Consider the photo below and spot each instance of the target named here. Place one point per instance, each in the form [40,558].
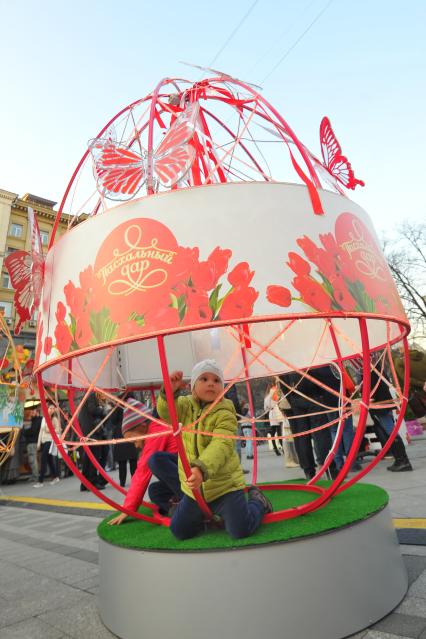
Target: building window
[5,282]
[44,236]
[6,309]
[10,249]
[16,230]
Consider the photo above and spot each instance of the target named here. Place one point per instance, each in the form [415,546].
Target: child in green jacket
[216,469]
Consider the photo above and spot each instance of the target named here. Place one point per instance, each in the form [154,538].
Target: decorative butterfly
[120,172]
[26,271]
[336,164]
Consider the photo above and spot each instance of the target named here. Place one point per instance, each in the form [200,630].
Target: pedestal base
[326,586]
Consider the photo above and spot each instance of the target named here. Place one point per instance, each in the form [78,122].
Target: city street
[48,561]
[195,212]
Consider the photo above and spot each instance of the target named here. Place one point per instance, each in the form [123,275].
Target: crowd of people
[293,403]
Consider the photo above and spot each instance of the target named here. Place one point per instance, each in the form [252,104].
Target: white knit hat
[205,366]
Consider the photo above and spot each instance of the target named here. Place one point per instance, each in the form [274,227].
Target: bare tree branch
[406,256]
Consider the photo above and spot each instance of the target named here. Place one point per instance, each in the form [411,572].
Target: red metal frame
[175,423]
[217,89]
[163,105]
[156,519]
[324,494]
[217,324]
[251,406]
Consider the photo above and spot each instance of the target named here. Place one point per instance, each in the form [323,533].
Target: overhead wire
[296,42]
[281,36]
[228,40]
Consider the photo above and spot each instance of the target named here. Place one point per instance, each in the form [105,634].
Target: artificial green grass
[357,503]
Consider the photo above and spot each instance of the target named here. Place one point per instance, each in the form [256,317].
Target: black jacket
[127,450]
[232,394]
[302,405]
[380,394]
[31,433]
[90,415]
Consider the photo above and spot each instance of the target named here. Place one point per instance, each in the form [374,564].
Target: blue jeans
[241,517]
[345,442]
[165,467]
[247,432]
[321,439]
[385,419]
[383,425]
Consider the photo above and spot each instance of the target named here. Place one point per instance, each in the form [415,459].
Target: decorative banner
[134,270]
[143,281]
[371,271]
[341,272]
[11,408]
[201,257]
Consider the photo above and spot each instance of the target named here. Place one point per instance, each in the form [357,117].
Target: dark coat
[90,415]
[380,394]
[232,394]
[31,433]
[302,405]
[126,451]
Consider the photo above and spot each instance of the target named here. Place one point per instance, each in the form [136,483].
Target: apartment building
[15,235]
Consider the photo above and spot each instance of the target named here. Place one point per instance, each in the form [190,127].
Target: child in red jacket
[134,424]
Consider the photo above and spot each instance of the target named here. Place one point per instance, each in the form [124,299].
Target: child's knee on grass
[240,533]
[183,532]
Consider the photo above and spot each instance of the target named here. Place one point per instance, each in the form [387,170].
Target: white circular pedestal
[323,587]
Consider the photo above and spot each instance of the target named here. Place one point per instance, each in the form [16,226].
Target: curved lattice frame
[348,406]
[241,155]
[224,151]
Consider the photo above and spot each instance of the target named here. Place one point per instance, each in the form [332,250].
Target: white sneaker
[55,481]
[38,485]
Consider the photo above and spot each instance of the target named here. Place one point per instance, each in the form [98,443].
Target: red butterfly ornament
[120,171]
[26,271]
[336,164]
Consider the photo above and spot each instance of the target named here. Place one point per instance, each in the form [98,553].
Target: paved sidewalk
[49,576]
[48,559]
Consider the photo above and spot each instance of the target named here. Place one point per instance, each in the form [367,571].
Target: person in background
[384,423]
[127,452]
[246,427]
[417,389]
[313,405]
[232,394]
[31,438]
[348,433]
[111,415]
[90,415]
[417,369]
[270,404]
[44,443]
[289,448]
